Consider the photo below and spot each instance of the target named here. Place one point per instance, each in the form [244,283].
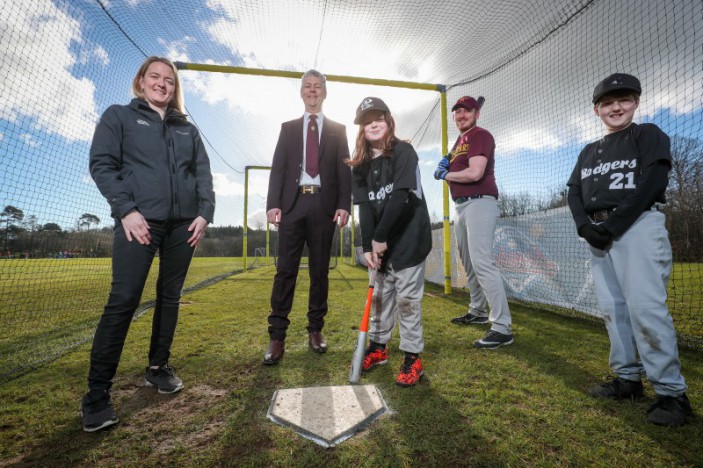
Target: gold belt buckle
[307,189]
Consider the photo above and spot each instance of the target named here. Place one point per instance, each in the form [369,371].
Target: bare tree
[517,204]
[685,199]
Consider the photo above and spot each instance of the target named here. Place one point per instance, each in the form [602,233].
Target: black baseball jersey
[618,172]
[392,207]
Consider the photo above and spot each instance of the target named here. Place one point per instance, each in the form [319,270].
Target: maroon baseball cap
[467,102]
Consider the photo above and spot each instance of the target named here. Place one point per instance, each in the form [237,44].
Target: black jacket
[392,207]
[159,167]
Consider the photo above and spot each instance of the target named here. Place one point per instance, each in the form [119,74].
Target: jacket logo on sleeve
[182,133]
[142,122]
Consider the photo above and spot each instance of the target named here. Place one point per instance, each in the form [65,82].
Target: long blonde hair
[363,152]
[177,99]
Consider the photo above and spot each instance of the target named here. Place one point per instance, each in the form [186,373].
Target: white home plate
[327,415]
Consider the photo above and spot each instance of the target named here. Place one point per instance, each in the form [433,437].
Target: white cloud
[225,187]
[90,55]
[257,219]
[529,139]
[29,140]
[36,77]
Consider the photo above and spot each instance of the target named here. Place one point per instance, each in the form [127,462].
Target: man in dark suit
[309,192]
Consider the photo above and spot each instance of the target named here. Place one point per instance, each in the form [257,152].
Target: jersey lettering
[382,192]
[617,181]
[460,149]
[605,168]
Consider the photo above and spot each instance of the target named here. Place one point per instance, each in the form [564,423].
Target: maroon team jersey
[477,141]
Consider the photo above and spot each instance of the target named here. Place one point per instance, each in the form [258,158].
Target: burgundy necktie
[312,148]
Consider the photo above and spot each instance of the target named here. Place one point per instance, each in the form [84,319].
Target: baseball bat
[480,102]
[358,357]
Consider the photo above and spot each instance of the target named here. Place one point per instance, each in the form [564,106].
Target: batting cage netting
[62,63]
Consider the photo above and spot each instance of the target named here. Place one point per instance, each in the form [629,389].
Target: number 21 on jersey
[621,181]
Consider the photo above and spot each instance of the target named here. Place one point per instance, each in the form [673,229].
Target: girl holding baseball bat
[396,235]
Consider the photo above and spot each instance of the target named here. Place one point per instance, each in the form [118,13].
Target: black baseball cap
[367,105]
[616,82]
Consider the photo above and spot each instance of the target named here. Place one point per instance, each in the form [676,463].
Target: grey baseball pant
[630,279]
[397,298]
[475,229]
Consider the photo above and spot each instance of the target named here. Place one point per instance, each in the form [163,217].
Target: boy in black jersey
[615,193]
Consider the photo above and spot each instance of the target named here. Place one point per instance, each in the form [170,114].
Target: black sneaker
[97,411]
[163,378]
[670,411]
[470,319]
[618,389]
[493,340]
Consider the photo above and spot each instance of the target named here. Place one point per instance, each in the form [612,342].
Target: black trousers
[307,223]
[131,262]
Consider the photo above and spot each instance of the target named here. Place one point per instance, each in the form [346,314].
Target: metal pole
[290,74]
[246,224]
[445,204]
[246,206]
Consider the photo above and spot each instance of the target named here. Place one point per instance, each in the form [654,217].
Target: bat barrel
[357,359]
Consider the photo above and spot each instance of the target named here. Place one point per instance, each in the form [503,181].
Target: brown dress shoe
[317,342]
[274,353]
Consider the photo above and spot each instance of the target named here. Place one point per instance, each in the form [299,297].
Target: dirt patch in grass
[183,420]
[190,419]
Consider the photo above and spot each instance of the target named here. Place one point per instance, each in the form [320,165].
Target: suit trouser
[307,223]
[131,262]
[630,280]
[397,298]
[475,229]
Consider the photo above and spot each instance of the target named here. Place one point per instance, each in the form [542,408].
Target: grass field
[523,405]
[50,305]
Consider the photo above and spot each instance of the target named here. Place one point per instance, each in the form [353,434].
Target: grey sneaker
[493,340]
[470,319]
[164,378]
[618,389]
[97,411]
[670,411]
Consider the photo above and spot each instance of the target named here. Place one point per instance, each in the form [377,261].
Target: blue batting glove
[444,163]
[441,172]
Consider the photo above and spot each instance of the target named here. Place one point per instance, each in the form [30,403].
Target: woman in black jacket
[150,164]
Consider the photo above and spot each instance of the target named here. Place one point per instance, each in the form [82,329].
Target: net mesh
[536,62]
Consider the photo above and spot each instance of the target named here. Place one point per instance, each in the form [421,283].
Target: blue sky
[63,63]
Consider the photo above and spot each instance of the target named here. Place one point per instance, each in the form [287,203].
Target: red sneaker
[410,372]
[372,358]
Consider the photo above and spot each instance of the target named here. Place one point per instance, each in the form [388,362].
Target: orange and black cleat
[373,357]
[410,371]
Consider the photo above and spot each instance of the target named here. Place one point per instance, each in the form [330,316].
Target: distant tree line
[21,236]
